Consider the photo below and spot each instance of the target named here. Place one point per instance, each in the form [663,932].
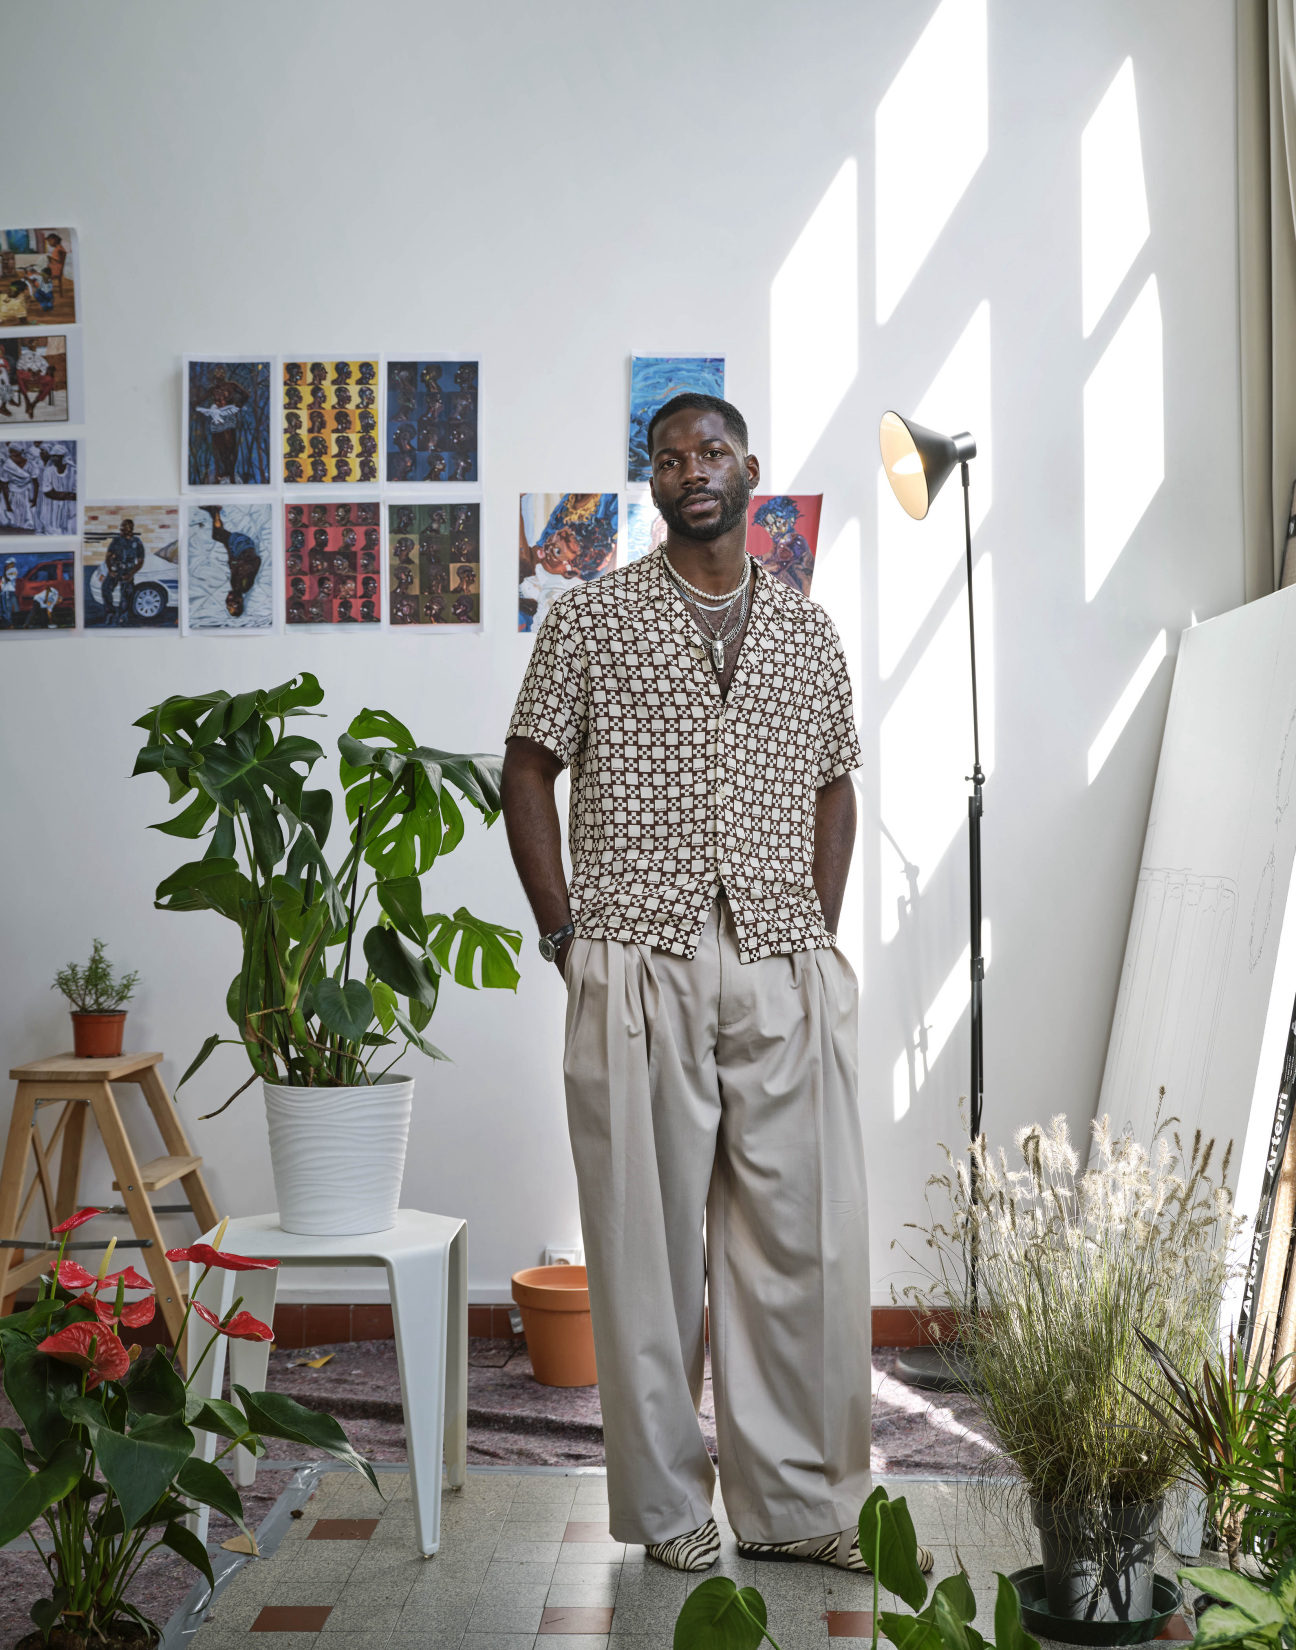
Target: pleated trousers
[715,1128]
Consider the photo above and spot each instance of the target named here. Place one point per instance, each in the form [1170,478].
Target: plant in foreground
[718,1615]
[300,1015]
[1250,1615]
[109,1464]
[95,989]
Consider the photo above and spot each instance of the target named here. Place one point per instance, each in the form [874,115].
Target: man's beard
[733,509]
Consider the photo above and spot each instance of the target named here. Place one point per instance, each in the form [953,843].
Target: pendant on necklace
[717,653]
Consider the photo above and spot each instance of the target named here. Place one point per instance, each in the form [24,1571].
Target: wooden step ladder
[85,1086]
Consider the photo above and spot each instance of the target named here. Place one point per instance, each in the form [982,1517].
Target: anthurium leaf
[35,1385]
[153,1387]
[276,1415]
[718,1616]
[958,1590]
[402,899]
[24,1495]
[204,1481]
[909,1632]
[471,937]
[1233,1588]
[897,1555]
[416,1037]
[225,1419]
[141,1464]
[1009,1632]
[345,1010]
[187,1544]
[396,966]
[46,1614]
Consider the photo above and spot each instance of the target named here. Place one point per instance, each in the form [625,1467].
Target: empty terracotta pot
[554,1302]
[97,1036]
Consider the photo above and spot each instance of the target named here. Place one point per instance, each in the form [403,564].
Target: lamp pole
[976,807]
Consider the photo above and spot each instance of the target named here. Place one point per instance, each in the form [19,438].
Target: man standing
[122,560]
[704,711]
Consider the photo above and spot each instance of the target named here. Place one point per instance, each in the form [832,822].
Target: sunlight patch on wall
[837,590]
[926,1045]
[1126,705]
[1124,436]
[925,750]
[916,558]
[1113,197]
[932,133]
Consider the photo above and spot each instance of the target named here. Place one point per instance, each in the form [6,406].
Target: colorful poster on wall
[331,563]
[130,566]
[330,428]
[434,563]
[226,421]
[783,533]
[38,277]
[563,538]
[38,589]
[34,381]
[645,528]
[432,421]
[229,578]
[38,488]
[654,380]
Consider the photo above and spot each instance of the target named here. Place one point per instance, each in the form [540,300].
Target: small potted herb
[96,995]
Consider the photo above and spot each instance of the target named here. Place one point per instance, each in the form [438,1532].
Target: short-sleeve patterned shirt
[677,793]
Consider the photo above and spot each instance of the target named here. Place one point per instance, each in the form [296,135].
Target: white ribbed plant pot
[338,1156]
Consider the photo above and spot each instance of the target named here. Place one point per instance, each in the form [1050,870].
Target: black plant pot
[1098,1560]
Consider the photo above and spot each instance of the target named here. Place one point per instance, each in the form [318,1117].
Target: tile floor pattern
[527,1564]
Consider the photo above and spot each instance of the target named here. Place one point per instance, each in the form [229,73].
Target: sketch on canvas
[331,563]
[38,488]
[783,534]
[38,276]
[562,539]
[228,574]
[330,422]
[654,380]
[645,528]
[227,422]
[34,380]
[432,421]
[130,566]
[434,563]
[38,590]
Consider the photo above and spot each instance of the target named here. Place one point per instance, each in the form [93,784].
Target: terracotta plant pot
[554,1302]
[97,1036]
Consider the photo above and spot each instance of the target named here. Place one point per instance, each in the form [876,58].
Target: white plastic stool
[426,1257]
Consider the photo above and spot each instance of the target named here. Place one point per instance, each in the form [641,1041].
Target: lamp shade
[918,461]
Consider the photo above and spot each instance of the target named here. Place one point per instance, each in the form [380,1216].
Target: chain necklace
[705,602]
[707,598]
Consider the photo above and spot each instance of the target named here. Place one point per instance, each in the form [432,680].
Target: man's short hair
[695,401]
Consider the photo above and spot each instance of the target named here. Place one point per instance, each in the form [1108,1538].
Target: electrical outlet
[564,1257]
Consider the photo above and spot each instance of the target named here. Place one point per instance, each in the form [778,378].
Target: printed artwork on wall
[434,563]
[432,421]
[130,566]
[38,488]
[227,422]
[38,276]
[645,528]
[229,579]
[332,563]
[654,380]
[563,538]
[38,589]
[783,533]
[34,380]
[330,429]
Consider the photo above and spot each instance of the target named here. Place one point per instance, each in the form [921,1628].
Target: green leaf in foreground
[1009,1632]
[717,1616]
[275,1415]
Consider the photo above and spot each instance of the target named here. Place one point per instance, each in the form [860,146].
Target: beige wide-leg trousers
[713,1090]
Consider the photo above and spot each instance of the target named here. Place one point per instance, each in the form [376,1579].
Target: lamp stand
[943,1368]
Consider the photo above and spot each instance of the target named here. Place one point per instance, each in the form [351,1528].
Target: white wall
[554,186]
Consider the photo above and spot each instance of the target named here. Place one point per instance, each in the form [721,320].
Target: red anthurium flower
[134,1314]
[91,1347]
[128,1276]
[205,1255]
[73,1276]
[241,1327]
[73,1221]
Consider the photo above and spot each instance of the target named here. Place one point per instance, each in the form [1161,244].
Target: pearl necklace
[706,602]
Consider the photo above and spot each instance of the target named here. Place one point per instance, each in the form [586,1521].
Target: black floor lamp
[918,462]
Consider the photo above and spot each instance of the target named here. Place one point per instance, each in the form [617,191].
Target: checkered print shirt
[676,793]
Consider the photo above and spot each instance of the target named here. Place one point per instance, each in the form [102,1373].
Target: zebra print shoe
[842,1552]
[698,1550]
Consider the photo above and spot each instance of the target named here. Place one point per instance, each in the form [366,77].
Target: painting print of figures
[38,276]
[783,534]
[38,591]
[34,380]
[563,538]
[227,423]
[645,528]
[331,563]
[434,563]
[654,380]
[432,420]
[38,488]
[130,567]
[330,428]
[228,575]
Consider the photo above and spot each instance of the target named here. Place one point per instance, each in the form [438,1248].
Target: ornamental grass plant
[1070,1264]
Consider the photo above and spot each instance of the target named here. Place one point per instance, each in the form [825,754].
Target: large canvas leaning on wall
[1209,976]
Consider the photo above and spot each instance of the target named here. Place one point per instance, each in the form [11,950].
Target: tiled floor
[527,1564]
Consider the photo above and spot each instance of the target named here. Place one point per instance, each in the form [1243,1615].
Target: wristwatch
[549,943]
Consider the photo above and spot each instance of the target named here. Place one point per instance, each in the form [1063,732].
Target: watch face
[548,950]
